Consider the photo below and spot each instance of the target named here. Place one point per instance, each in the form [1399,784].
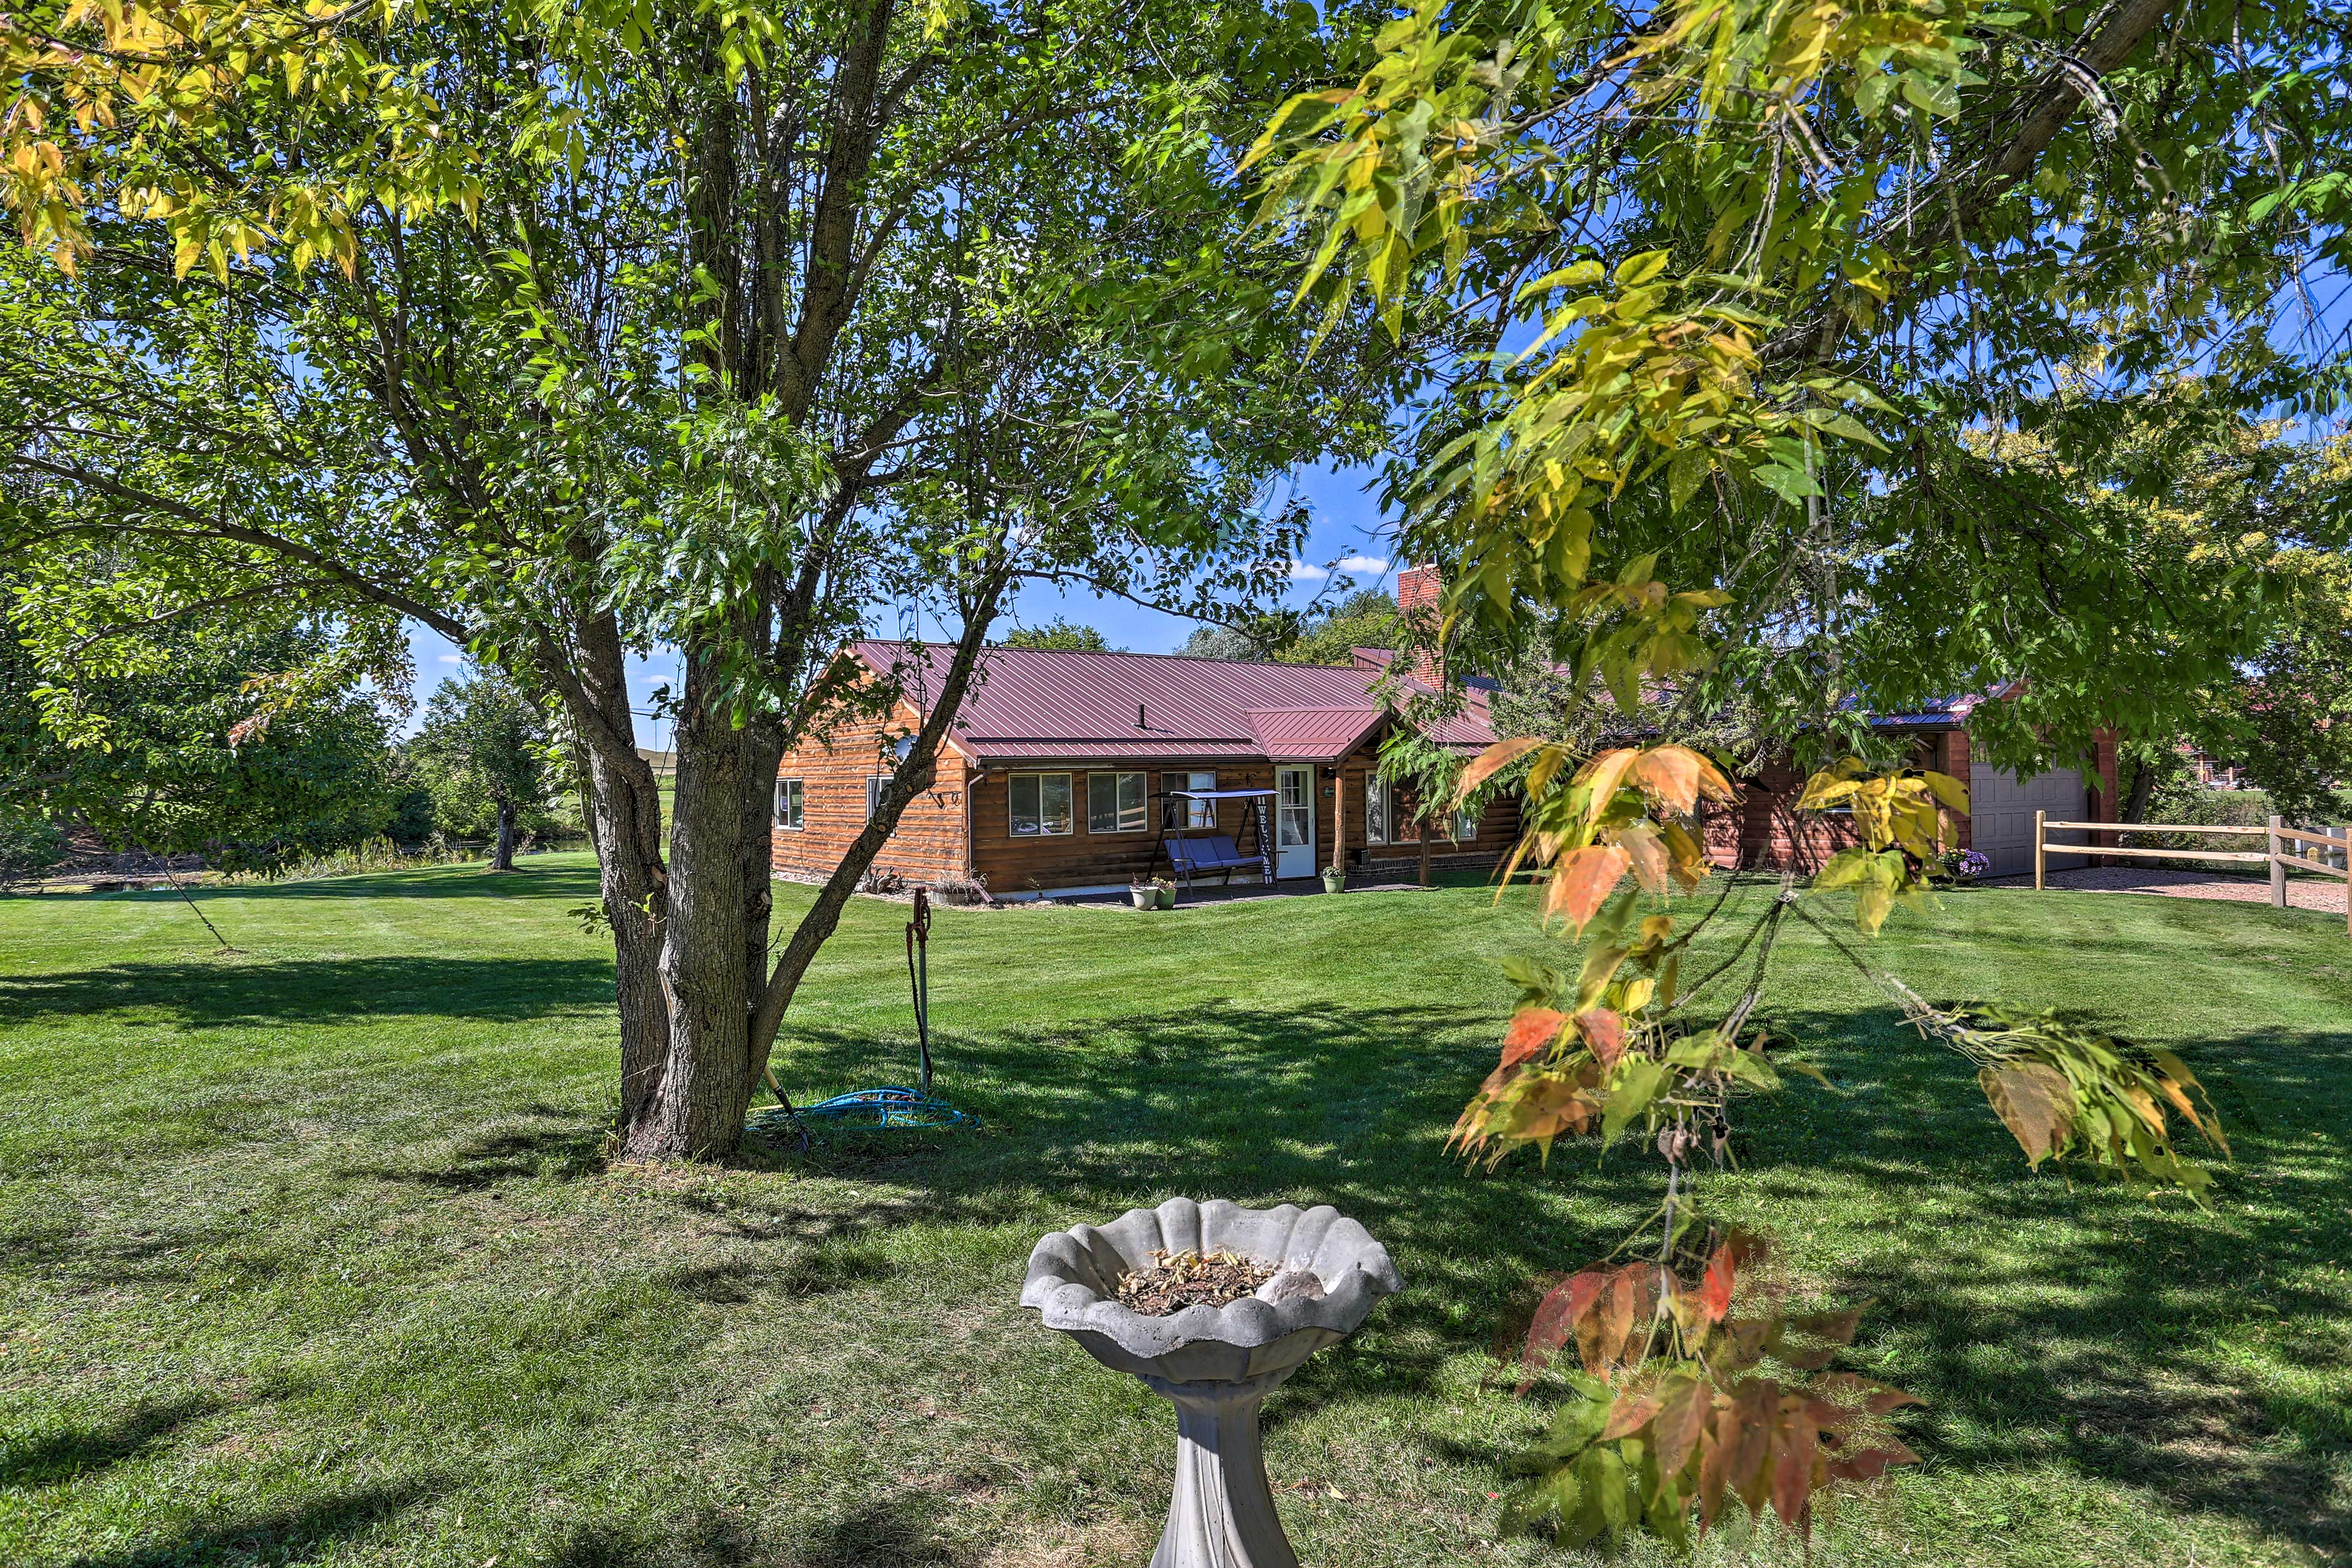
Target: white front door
[1294,822]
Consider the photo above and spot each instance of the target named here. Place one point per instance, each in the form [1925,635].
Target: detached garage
[1767,830]
[2002,817]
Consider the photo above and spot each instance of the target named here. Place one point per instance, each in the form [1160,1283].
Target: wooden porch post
[2039,857]
[1339,817]
[2278,866]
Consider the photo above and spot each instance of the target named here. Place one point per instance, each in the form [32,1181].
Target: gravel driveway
[2302,892]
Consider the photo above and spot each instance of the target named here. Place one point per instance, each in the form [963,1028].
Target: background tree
[722,330]
[1059,633]
[1749,337]
[485,739]
[197,736]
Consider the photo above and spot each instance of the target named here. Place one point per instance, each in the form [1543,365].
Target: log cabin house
[1066,771]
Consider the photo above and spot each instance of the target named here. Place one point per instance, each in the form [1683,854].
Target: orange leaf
[1714,786]
[1604,1031]
[1681,1418]
[1487,763]
[1670,773]
[1584,880]
[1794,1445]
[1755,1412]
[1605,773]
[2035,1100]
[1529,1033]
[1870,1463]
[1648,853]
[1622,1314]
[1715,1291]
[1628,1416]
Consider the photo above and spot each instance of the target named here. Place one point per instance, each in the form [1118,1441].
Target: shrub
[29,846]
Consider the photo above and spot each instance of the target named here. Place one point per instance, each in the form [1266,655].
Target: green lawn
[309,1253]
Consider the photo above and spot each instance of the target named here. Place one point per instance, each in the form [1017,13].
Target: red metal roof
[1312,734]
[1057,703]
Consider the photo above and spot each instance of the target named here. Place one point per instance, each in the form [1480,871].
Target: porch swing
[1189,856]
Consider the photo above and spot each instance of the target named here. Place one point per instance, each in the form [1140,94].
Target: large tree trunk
[624,826]
[502,852]
[717,915]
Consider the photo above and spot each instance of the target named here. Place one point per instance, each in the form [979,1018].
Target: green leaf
[1632,1088]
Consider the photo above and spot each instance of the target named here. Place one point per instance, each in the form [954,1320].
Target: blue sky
[1349,529]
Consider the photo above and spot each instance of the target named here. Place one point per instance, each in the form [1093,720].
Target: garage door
[2002,808]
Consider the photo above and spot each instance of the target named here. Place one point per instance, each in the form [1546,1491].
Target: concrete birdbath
[1215,1365]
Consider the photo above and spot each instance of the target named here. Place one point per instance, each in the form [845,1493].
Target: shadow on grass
[529,879]
[215,994]
[2081,1323]
[288,1535]
[564,1151]
[898,1531]
[2041,1321]
[73,1453]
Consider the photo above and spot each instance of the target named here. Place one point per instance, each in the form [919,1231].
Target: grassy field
[309,1253]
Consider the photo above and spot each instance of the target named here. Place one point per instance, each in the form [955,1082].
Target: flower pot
[1215,1365]
[1144,898]
[1167,898]
[1334,881]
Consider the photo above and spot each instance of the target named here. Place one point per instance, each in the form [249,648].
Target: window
[874,788]
[1189,813]
[1465,826]
[790,794]
[1041,804]
[1376,810]
[1115,802]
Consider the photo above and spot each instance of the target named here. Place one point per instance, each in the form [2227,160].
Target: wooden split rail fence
[2327,851]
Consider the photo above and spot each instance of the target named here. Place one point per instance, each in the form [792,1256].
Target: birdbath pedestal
[1215,1365]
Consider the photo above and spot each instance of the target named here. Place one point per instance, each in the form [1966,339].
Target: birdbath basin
[1215,1365]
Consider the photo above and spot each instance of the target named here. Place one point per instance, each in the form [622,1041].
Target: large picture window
[1379,820]
[791,795]
[1188,813]
[1041,804]
[1115,803]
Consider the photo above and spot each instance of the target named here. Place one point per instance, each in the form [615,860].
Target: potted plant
[1166,890]
[1144,895]
[1335,880]
[1965,866]
[1215,1361]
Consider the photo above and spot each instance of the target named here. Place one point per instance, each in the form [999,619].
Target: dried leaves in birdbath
[1180,1279]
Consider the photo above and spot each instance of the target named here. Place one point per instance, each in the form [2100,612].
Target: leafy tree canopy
[197,736]
[1757,338]
[1059,633]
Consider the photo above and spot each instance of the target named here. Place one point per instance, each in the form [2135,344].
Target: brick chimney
[1417,594]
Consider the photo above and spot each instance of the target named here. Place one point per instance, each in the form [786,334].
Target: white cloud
[1301,572]
[1373,564]
[453,658]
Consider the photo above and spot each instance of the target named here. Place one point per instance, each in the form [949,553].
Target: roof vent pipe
[1139,718]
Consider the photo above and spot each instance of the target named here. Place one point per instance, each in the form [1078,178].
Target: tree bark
[502,853]
[2142,786]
